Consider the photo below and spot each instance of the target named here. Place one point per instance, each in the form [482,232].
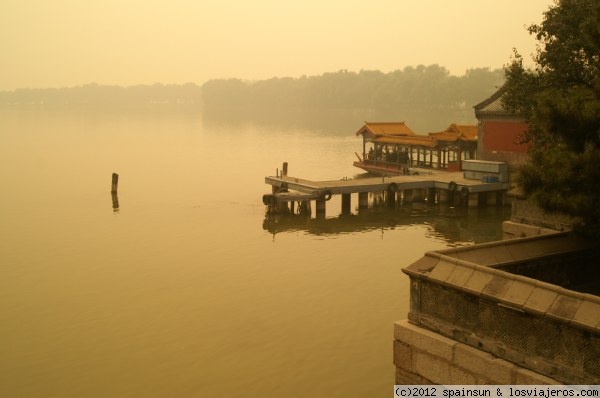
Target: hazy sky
[57,43]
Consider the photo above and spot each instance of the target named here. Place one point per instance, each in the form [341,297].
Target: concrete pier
[429,186]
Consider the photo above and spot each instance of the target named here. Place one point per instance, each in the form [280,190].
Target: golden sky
[58,43]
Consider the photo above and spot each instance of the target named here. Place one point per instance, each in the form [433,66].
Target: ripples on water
[189,289]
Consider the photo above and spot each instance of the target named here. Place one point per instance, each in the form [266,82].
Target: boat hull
[380,168]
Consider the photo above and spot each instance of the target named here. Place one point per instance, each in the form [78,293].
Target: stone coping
[471,269]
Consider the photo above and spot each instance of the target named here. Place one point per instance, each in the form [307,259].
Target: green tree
[560,98]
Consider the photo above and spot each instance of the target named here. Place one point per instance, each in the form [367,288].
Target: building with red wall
[499,132]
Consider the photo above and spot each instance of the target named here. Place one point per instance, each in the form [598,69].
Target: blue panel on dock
[490,179]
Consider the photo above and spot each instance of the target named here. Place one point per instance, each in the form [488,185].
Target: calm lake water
[188,290]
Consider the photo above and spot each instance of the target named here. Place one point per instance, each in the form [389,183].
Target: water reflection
[168,299]
[115,201]
[450,224]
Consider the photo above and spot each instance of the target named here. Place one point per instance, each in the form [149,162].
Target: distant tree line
[419,88]
[94,94]
[423,88]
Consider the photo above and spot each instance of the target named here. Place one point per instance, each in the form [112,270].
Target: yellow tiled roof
[456,132]
[422,140]
[385,129]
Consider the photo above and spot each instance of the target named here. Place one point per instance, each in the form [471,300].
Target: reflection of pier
[477,187]
[452,224]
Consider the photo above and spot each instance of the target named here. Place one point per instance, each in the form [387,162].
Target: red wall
[503,135]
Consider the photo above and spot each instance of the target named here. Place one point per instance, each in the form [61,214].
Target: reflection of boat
[393,148]
[451,224]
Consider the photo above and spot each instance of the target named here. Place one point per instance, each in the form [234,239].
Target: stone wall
[526,212]
[425,357]
[496,304]
[528,219]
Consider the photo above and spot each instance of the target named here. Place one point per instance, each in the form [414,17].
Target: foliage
[427,88]
[560,99]
[428,98]
[421,92]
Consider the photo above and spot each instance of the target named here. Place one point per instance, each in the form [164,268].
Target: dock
[469,188]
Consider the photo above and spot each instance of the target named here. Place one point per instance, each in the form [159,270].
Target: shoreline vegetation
[426,97]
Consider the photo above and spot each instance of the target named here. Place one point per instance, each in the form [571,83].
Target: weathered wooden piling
[417,195]
[115,201]
[320,208]
[346,203]
[363,200]
[430,196]
[472,199]
[305,208]
[115,183]
[390,196]
[113,191]
[443,195]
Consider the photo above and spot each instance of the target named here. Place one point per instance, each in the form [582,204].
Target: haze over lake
[188,289]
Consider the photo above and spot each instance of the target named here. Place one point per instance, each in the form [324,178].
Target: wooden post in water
[115,201]
[113,191]
[345,203]
[363,200]
[457,199]
[417,195]
[305,208]
[491,198]
[500,198]
[443,195]
[115,183]
[320,205]
[390,198]
[430,196]
[472,199]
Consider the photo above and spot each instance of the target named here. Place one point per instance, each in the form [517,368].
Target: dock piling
[346,203]
[320,208]
[390,197]
[115,201]
[115,183]
[472,199]
[113,192]
[363,200]
[443,195]
[430,196]
[305,208]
